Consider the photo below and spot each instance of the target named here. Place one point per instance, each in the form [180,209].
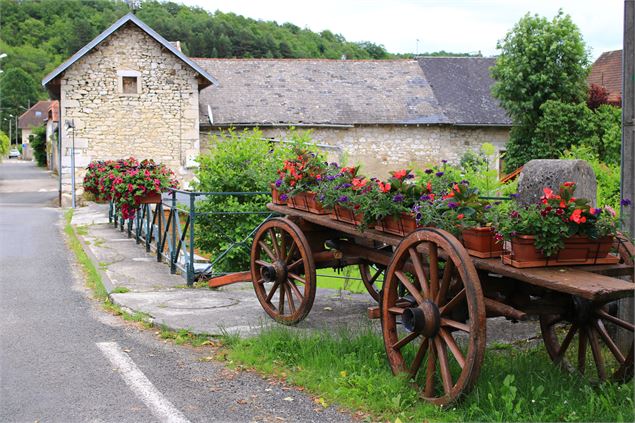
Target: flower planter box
[342,214]
[275,196]
[150,198]
[402,225]
[306,201]
[578,250]
[480,242]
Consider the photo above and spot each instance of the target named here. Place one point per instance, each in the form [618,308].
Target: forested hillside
[37,35]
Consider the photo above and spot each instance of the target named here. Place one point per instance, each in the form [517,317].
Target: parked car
[14,153]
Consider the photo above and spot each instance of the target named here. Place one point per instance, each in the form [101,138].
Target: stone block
[538,174]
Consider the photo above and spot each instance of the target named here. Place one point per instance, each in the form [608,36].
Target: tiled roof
[606,71]
[35,116]
[53,112]
[346,92]
[462,86]
[314,91]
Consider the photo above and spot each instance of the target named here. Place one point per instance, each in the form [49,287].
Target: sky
[418,26]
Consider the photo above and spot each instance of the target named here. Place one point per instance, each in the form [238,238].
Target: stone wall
[381,148]
[159,122]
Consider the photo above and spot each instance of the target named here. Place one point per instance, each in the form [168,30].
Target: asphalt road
[64,359]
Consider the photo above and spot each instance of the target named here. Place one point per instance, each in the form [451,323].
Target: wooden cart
[433,298]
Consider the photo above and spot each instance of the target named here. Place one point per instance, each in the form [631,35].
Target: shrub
[238,162]
[4,145]
[38,144]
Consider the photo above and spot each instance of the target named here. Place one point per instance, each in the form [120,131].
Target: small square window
[129,84]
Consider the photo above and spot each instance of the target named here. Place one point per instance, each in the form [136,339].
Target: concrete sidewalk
[231,309]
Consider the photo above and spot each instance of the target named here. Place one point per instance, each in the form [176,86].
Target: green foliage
[608,124]
[238,162]
[607,175]
[18,89]
[38,144]
[4,145]
[561,126]
[540,60]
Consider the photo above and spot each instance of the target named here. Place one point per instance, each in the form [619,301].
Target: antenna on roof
[134,5]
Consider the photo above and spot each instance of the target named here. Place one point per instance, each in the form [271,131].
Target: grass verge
[351,369]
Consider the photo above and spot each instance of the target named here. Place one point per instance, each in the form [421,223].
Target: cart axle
[424,319]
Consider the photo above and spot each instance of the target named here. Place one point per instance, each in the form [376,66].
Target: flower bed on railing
[128,182]
[407,200]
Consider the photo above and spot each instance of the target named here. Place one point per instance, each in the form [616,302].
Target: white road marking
[138,383]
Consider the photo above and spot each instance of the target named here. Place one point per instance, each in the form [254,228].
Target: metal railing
[168,227]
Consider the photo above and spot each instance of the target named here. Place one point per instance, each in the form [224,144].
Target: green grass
[347,279]
[120,290]
[352,370]
[184,336]
[93,279]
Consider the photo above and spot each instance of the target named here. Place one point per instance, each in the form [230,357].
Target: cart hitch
[424,319]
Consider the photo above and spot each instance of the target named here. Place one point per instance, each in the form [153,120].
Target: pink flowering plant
[555,218]
[100,175]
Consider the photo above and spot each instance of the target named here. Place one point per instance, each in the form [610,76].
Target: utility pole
[627,185]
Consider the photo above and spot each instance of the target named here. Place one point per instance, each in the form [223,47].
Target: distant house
[28,121]
[606,72]
[381,113]
[131,92]
[52,127]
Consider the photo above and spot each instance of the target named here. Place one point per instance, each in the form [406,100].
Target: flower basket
[342,214]
[578,250]
[150,198]
[480,242]
[306,201]
[275,196]
[402,225]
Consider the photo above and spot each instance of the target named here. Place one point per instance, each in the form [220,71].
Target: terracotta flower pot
[150,198]
[343,214]
[480,242]
[401,225]
[577,248]
[275,196]
[306,201]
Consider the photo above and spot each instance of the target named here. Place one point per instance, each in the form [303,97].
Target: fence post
[173,245]
[159,230]
[148,227]
[190,264]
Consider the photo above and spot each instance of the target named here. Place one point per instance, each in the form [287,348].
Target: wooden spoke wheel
[584,339]
[283,271]
[434,334]
[373,278]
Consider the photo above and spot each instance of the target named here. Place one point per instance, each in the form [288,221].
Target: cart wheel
[626,251]
[435,334]
[588,326]
[373,278]
[282,271]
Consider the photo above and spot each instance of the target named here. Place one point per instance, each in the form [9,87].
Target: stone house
[29,120]
[131,92]
[606,72]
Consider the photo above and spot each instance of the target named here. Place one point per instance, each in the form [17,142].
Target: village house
[606,72]
[32,118]
[131,92]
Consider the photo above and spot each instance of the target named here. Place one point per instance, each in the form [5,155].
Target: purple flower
[330,177]
[278,183]
[465,182]
[346,185]
[418,217]
[626,202]
[333,164]
[439,174]
[597,212]
[513,233]
[342,199]
[410,176]
[283,197]
[398,198]
[453,205]
[321,197]
[513,196]
[444,161]
[428,171]
[424,198]
[487,207]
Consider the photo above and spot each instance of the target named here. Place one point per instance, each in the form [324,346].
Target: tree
[17,90]
[540,60]
[4,145]
[38,144]
[598,95]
